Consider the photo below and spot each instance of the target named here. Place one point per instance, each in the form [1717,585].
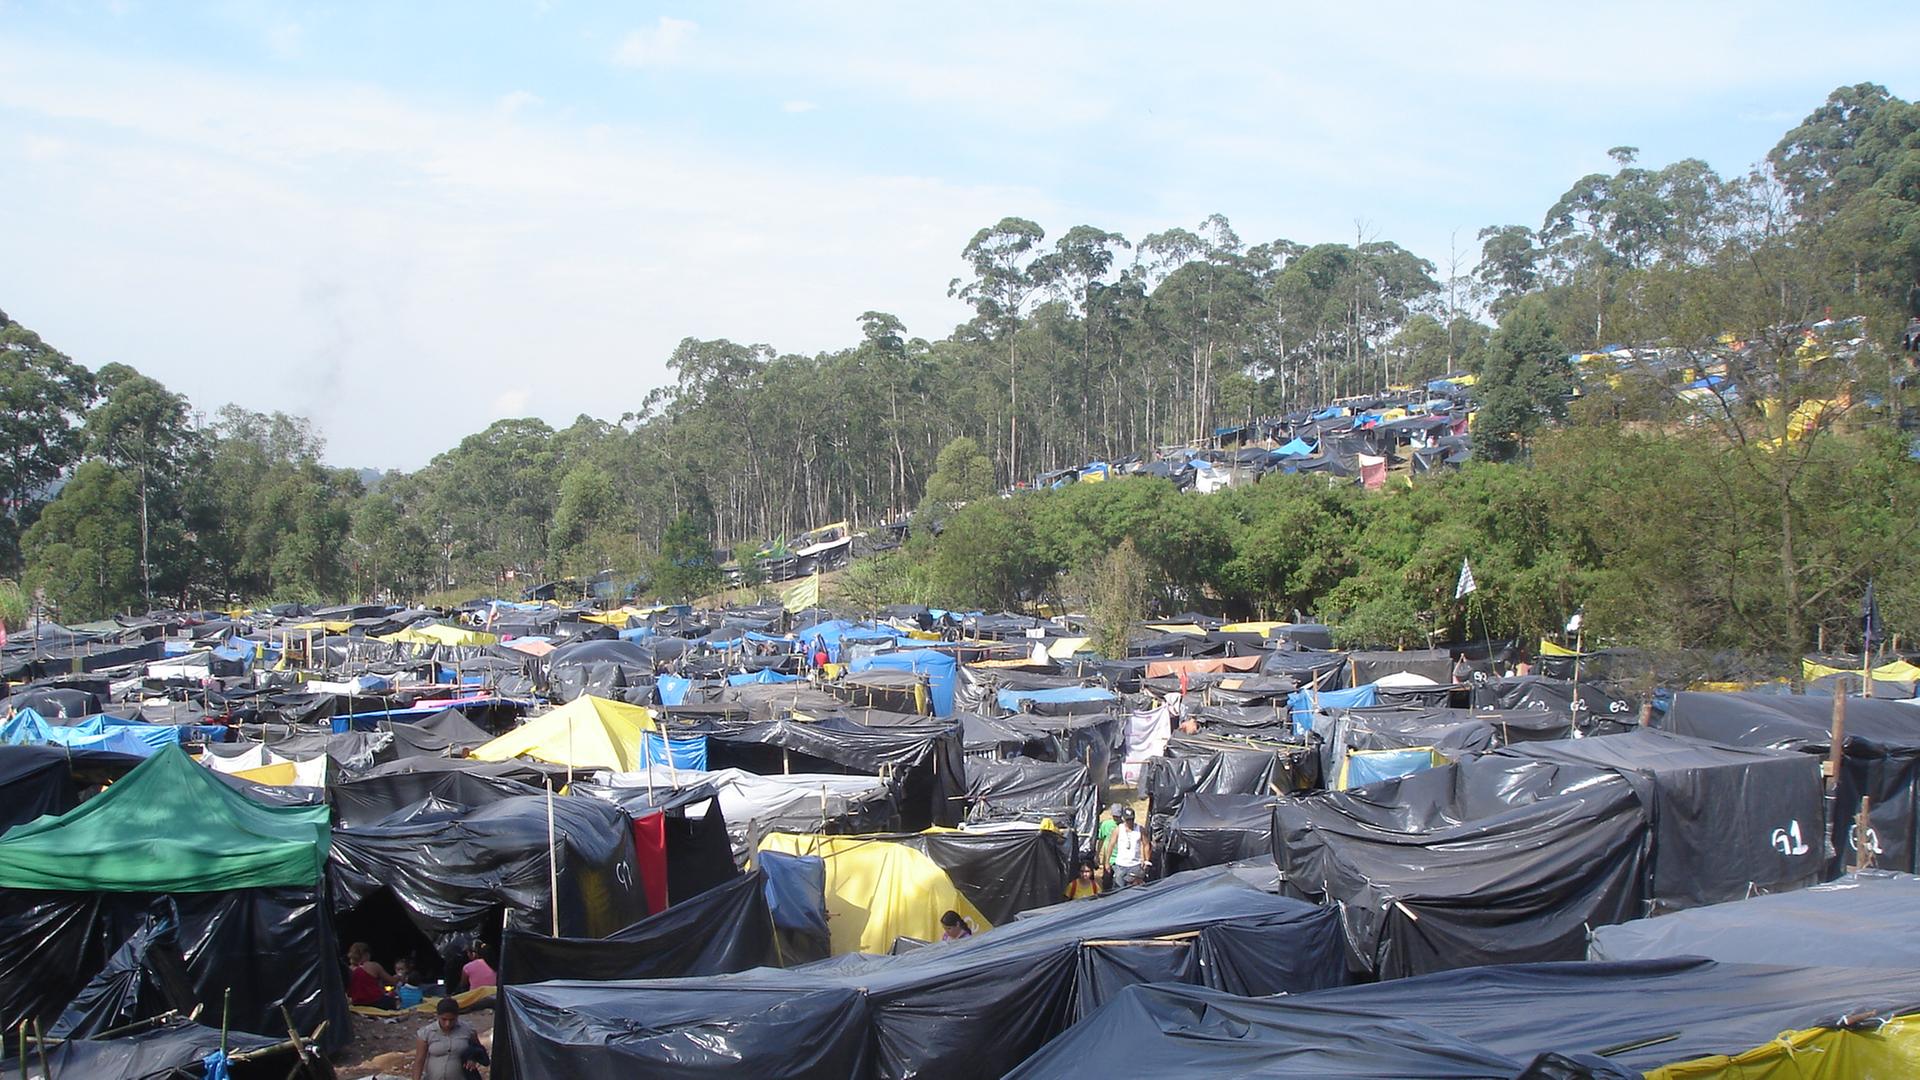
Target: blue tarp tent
[831,631]
[689,752]
[940,669]
[1018,700]
[672,689]
[1300,703]
[1372,766]
[29,728]
[762,677]
[1297,448]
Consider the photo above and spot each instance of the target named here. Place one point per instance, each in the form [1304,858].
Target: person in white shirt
[1128,851]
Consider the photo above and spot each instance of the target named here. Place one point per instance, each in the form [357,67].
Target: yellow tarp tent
[1548,648]
[1261,628]
[1889,1051]
[440,634]
[586,733]
[1178,628]
[1064,648]
[281,775]
[878,890]
[331,626]
[1893,671]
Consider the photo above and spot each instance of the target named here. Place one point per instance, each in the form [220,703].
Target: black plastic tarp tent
[368,800]
[1593,707]
[173,1051]
[37,780]
[1478,1022]
[443,734]
[1225,765]
[1212,830]
[1033,791]
[1171,1030]
[924,762]
[969,1008]
[1485,861]
[725,929]
[1881,758]
[242,883]
[1865,919]
[1728,821]
[450,866]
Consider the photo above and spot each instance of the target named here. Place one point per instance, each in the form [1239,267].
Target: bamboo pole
[553,871]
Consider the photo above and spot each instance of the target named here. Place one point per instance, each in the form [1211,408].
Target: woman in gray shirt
[442,1053]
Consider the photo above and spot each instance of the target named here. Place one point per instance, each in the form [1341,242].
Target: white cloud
[660,45]
[404,273]
[512,103]
[798,106]
[284,39]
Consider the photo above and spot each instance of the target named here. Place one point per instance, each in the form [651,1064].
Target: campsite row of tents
[677,823]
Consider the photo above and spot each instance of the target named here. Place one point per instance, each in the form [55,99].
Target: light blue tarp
[1373,766]
[689,752]
[940,669]
[1297,448]
[831,631]
[762,677]
[1016,700]
[1300,703]
[29,728]
[672,689]
[635,633]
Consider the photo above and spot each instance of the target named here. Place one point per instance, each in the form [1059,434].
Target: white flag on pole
[1466,583]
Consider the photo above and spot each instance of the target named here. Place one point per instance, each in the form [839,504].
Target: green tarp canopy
[170,826]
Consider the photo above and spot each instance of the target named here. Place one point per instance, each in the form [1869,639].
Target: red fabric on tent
[650,849]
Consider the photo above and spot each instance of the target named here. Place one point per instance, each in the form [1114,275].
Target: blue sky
[408,220]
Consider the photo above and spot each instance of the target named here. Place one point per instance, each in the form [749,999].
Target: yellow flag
[804,595]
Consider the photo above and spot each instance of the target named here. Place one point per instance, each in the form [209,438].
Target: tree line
[1083,346]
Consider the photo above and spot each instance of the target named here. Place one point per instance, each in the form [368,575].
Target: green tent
[170,826]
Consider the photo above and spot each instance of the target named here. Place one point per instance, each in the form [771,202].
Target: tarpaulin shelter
[957,1010]
[1667,1019]
[451,867]
[725,929]
[1059,700]
[243,883]
[751,805]
[1861,920]
[1033,791]
[937,668]
[178,1048]
[1728,821]
[1227,765]
[923,763]
[586,733]
[1485,861]
[368,800]
[1449,733]
[443,734]
[308,771]
[896,885]
[605,669]
[1213,830]
[41,780]
[110,733]
[57,702]
[1307,706]
[1880,758]
[1593,707]
[439,634]
[681,835]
